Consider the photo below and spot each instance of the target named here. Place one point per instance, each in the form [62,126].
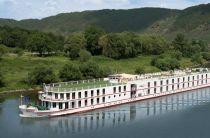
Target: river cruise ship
[80,96]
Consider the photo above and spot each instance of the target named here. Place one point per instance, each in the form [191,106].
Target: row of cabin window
[178,86]
[79,94]
[119,89]
[167,81]
[79,103]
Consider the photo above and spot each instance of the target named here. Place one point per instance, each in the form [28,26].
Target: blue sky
[24,9]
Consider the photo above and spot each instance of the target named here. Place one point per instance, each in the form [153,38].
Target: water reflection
[120,115]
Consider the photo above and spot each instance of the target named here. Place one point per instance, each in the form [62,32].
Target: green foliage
[70,72]
[3,50]
[92,35]
[90,70]
[140,70]
[40,75]
[197,58]
[1,80]
[74,44]
[165,63]
[119,46]
[206,56]
[18,51]
[84,55]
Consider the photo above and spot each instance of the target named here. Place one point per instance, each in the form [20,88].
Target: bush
[70,72]
[84,55]
[1,80]
[140,70]
[206,56]
[90,70]
[3,50]
[18,51]
[197,58]
[42,75]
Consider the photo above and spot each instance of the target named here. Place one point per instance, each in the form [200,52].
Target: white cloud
[22,9]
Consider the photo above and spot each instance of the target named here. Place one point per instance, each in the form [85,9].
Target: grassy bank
[15,69]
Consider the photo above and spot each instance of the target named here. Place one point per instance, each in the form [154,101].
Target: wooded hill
[193,21]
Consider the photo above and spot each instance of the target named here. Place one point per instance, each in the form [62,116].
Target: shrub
[206,56]
[84,55]
[70,72]
[1,80]
[90,70]
[42,75]
[197,58]
[140,70]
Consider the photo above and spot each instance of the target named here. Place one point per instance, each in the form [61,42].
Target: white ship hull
[33,112]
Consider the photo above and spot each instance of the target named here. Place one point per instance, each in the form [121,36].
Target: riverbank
[19,91]
[15,68]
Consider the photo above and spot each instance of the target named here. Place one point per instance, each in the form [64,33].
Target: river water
[184,115]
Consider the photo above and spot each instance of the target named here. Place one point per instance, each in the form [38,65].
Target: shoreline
[19,91]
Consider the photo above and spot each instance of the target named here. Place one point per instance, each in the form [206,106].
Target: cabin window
[79,103]
[98,92]
[86,94]
[72,104]
[73,95]
[188,78]
[183,79]
[161,82]
[178,86]
[148,91]
[193,78]
[103,91]
[60,105]
[172,80]
[148,84]
[183,85]
[166,88]
[206,76]
[61,96]
[92,92]
[172,87]
[79,95]
[197,77]
[178,80]
[155,83]
[91,101]
[49,93]
[85,102]
[188,84]
[114,89]
[124,88]
[97,100]
[103,99]
[119,88]
[193,83]
[202,76]
[167,81]
[161,89]
[154,90]
[68,95]
[56,96]
[54,105]
[114,95]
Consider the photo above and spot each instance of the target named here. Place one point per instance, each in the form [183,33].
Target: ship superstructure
[80,96]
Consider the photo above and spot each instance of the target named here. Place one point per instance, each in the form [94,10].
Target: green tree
[90,70]
[70,72]
[84,55]
[92,35]
[74,44]
[206,56]
[3,50]
[197,58]
[140,70]
[41,74]
[41,43]
[1,80]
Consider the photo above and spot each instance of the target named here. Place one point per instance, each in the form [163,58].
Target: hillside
[193,21]
[111,20]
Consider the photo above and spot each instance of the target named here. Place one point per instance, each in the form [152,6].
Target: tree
[197,58]
[74,44]
[3,50]
[92,35]
[41,43]
[90,70]
[1,80]
[70,72]
[206,56]
[42,74]
[84,55]
[140,70]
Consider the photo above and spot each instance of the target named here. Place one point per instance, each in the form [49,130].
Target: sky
[25,9]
